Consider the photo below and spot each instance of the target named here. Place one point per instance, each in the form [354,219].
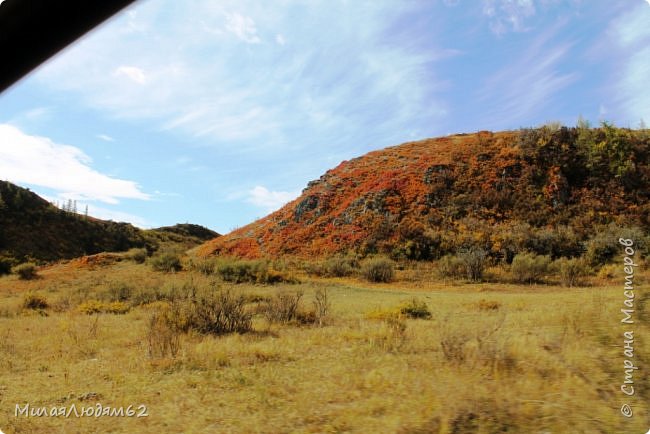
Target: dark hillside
[31,227]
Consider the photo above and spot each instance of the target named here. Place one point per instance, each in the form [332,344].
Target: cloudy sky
[217,113]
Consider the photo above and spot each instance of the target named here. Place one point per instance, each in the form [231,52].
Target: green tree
[611,152]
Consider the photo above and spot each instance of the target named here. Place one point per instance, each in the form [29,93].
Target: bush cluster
[340,266]
[451,266]
[475,261]
[205,311]
[571,271]
[35,302]
[469,263]
[283,307]
[415,308]
[529,267]
[26,271]
[137,255]
[168,262]
[205,266]
[245,271]
[378,270]
[335,266]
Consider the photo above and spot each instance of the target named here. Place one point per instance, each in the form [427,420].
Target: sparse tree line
[70,206]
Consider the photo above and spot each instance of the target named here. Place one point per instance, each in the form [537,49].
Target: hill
[31,227]
[547,190]
[189,230]
[182,236]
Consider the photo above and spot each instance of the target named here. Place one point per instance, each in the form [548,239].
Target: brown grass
[492,358]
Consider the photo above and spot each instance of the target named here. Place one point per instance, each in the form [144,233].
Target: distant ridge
[33,228]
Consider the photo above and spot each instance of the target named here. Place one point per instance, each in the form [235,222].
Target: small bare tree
[321,305]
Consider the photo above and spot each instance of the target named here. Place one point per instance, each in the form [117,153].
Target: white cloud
[270,200]
[332,78]
[37,113]
[634,86]
[281,41]
[243,27]
[66,169]
[105,138]
[632,53]
[133,73]
[508,14]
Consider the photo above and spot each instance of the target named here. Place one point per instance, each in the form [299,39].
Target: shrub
[378,270]
[219,313]
[146,295]
[571,271]
[475,261]
[242,271]
[415,308]
[137,255]
[205,266]
[604,246]
[273,276]
[450,266]
[529,267]
[314,268]
[283,307]
[26,271]
[5,265]
[306,317]
[90,307]
[339,266]
[168,262]
[207,311]
[35,302]
[609,271]
[119,291]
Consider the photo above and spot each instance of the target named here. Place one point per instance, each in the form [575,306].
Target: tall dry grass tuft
[322,305]
[390,334]
[163,336]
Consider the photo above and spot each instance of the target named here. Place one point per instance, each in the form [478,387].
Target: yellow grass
[536,359]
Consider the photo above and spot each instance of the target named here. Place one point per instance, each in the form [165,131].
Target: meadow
[418,354]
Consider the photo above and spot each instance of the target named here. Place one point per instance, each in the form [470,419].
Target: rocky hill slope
[547,190]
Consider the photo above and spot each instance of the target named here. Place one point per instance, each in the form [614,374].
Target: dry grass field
[491,358]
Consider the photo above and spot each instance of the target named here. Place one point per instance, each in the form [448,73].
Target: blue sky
[217,113]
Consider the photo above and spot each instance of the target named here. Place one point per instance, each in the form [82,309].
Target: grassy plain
[493,357]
